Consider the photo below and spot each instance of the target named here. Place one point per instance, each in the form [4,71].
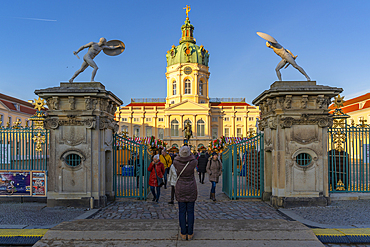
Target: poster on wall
[17,183]
[38,184]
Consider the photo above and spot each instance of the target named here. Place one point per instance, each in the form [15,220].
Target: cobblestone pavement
[339,213]
[224,208]
[35,214]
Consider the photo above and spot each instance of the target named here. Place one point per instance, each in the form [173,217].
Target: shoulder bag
[160,181]
[181,172]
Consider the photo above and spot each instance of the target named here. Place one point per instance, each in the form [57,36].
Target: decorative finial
[39,104]
[187,9]
[338,101]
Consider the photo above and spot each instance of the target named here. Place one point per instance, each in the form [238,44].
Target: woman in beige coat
[214,170]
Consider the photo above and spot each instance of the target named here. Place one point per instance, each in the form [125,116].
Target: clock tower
[187,69]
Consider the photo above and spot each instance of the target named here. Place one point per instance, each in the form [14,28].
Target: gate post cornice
[295,118]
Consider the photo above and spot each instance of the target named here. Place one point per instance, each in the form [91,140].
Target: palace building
[188,101]
[14,111]
[357,108]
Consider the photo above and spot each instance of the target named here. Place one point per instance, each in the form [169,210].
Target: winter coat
[153,177]
[186,188]
[171,179]
[214,169]
[202,162]
[166,160]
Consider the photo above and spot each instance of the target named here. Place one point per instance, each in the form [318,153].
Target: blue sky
[329,37]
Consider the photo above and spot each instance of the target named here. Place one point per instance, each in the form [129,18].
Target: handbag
[160,181]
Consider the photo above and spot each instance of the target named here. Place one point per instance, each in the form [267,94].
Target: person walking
[186,191]
[214,170]
[155,168]
[166,160]
[202,165]
[172,179]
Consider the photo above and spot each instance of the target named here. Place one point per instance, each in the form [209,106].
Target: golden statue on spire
[187,8]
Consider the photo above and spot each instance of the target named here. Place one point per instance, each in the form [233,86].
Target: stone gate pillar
[81,123]
[295,118]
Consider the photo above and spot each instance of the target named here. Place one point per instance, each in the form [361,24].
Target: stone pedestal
[295,118]
[81,123]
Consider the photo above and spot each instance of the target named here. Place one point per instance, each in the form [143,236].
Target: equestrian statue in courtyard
[188,132]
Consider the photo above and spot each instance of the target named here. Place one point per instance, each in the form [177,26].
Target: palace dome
[187,51]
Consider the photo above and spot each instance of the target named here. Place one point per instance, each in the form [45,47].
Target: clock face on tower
[188,70]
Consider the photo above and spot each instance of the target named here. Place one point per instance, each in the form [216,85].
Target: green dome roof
[187,51]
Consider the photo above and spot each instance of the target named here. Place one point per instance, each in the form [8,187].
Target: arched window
[200,128]
[187,86]
[175,145]
[174,128]
[201,87]
[200,145]
[174,88]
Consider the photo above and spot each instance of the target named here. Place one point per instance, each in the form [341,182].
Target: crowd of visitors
[178,171]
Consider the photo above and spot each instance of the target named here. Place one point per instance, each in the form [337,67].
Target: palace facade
[188,101]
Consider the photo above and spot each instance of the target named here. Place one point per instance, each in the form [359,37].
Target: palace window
[214,119]
[174,88]
[250,118]
[148,131]
[174,128]
[200,128]
[161,133]
[238,119]
[137,132]
[227,132]
[148,119]
[124,119]
[187,86]
[136,119]
[160,119]
[201,85]
[2,120]
[214,133]
[239,132]
[175,145]
[227,119]
[124,128]
[10,121]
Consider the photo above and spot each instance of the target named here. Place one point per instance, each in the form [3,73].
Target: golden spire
[187,9]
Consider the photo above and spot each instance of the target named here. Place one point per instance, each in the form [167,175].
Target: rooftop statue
[111,48]
[187,10]
[285,54]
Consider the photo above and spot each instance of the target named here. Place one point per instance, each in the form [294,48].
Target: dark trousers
[213,188]
[172,193]
[166,171]
[201,176]
[153,189]
[186,217]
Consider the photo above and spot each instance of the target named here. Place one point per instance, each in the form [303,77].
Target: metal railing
[148,100]
[217,100]
[131,161]
[21,149]
[244,168]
